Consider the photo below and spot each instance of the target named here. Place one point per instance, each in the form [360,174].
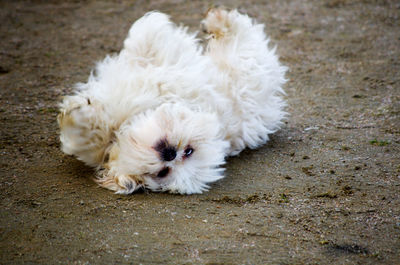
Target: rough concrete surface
[324,190]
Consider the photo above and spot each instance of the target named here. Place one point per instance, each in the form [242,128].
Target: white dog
[163,114]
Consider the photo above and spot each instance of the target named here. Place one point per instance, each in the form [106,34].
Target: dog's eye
[163,172]
[188,151]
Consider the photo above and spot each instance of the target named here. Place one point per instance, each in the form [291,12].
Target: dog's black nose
[168,154]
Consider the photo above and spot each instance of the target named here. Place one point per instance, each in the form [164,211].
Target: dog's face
[170,149]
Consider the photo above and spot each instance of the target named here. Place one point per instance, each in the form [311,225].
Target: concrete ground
[324,190]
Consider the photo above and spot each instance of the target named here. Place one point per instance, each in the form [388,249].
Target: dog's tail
[154,39]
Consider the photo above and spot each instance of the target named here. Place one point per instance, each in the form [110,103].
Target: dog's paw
[216,24]
[76,111]
[83,132]
[121,184]
[222,24]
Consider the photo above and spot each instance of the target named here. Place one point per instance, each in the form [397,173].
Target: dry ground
[324,190]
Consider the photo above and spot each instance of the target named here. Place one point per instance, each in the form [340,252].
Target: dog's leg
[239,46]
[155,40]
[253,76]
[111,177]
[84,132]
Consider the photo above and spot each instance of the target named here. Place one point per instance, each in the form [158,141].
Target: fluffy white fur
[163,114]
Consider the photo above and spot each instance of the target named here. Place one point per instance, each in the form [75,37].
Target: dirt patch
[325,189]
